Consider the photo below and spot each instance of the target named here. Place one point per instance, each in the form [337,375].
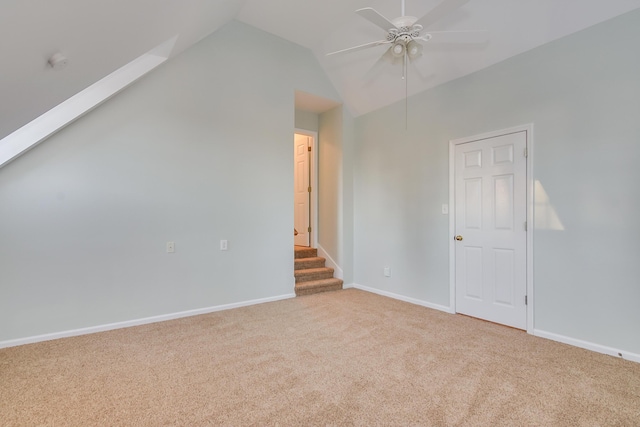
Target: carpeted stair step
[304,252]
[312,262]
[316,286]
[311,274]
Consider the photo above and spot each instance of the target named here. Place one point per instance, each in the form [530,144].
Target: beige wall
[195,152]
[330,183]
[307,120]
[582,95]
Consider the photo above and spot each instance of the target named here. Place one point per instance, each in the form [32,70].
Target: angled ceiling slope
[69,110]
[313,104]
[366,85]
[99,37]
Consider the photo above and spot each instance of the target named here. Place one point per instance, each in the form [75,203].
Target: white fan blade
[478,37]
[376,18]
[435,14]
[386,60]
[415,70]
[377,68]
[362,46]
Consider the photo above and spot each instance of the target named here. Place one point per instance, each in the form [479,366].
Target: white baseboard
[337,271]
[405,299]
[137,322]
[634,357]
[626,355]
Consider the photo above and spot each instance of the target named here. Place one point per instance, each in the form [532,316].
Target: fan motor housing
[405,30]
[404,21]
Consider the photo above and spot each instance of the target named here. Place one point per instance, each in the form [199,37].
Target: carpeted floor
[338,358]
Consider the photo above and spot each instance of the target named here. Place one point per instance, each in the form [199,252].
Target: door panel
[490,212]
[504,262]
[503,206]
[301,213]
[473,203]
[473,272]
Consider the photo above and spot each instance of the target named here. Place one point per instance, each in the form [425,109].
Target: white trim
[65,113]
[337,270]
[626,355]
[313,208]
[530,228]
[405,299]
[138,322]
[528,129]
[452,227]
[634,357]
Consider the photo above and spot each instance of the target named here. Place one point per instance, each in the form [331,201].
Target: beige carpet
[337,358]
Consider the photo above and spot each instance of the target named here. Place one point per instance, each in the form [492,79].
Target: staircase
[311,274]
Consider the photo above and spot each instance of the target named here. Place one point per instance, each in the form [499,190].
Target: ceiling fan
[406,34]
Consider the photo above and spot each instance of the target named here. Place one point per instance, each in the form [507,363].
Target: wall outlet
[171,247]
[223,245]
[387,272]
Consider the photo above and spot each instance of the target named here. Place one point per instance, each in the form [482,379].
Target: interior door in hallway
[490,215]
[302,190]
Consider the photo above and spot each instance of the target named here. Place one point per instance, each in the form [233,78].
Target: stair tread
[314,270]
[317,286]
[311,258]
[313,262]
[309,274]
[320,282]
[304,252]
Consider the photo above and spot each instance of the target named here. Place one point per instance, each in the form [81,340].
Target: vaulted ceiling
[100,36]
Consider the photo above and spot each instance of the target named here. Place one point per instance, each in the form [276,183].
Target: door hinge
[309,229]
[309,148]
[526,300]
[526,152]
[309,189]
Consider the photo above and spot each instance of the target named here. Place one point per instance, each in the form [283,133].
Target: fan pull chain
[406,94]
[406,105]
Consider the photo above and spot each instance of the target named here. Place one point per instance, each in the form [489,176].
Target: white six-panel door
[302,196]
[491,239]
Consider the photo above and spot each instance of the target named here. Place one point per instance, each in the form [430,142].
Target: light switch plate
[445,209]
[171,247]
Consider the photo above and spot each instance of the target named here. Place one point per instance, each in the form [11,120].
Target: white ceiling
[100,36]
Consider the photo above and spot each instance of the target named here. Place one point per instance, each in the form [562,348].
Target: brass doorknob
[458,238]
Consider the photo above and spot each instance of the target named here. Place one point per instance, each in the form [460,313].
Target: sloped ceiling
[100,36]
[96,36]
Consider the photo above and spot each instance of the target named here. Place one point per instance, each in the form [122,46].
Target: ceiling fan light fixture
[398,49]
[414,49]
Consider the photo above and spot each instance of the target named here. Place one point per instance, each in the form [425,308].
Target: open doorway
[305,188]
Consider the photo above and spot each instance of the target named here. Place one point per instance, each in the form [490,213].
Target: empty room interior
[261,212]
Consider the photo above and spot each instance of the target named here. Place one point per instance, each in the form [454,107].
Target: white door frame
[528,129]
[313,165]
